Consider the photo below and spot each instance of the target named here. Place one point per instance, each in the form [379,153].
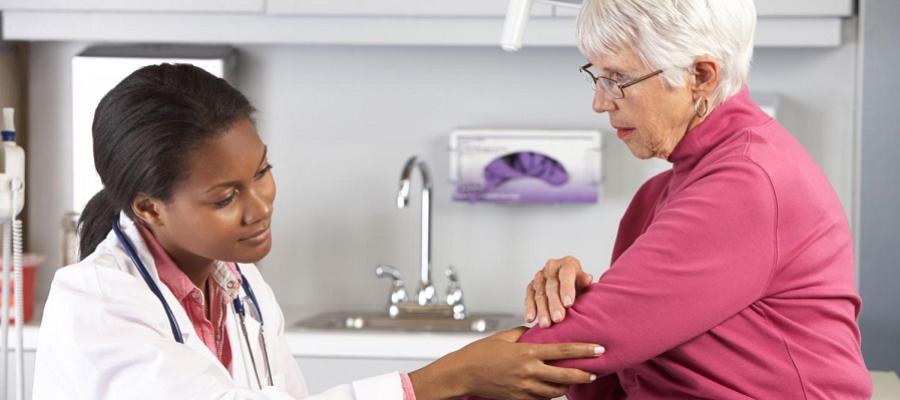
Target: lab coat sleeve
[102,337]
[384,387]
[709,254]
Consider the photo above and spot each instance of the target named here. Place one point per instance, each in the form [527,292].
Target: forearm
[583,326]
[442,379]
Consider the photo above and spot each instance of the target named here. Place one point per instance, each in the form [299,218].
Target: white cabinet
[331,358]
[322,373]
[28,356]
[782,23]
[789,23]
[415,8]
[345,8]
[135,5]
[395,8]
[777,8]
[805,8]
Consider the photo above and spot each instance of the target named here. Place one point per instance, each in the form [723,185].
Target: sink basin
[364,321]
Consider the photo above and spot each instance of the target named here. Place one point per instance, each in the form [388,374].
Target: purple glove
[522,165]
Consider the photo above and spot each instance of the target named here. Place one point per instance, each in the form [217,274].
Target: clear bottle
[69,239]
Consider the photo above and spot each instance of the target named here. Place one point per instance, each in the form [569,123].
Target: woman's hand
[498,367]
[553,289]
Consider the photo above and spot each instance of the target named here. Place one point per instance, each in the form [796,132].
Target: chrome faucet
[400,306]
[426,303]
[426,294]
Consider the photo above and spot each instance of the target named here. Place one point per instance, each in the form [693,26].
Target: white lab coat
[104,335]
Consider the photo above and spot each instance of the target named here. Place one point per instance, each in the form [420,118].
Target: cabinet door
[397,8]
[324,373]
[28,357]
[804,8]
[777,8]
[135,5]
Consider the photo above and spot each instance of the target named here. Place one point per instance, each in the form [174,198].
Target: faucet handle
[454,296]
[451,273]
[398,288]
[387,271]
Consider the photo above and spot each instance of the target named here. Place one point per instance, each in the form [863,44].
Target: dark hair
[145,130]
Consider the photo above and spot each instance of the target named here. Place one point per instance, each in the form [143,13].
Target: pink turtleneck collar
[729,118]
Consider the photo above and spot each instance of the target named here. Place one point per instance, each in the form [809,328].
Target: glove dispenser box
[525,166]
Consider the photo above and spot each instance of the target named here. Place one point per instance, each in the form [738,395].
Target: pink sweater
[732,277]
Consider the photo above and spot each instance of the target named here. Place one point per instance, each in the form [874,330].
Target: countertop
[369,344]
[320,343]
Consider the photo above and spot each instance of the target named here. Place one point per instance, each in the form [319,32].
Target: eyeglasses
[612,87]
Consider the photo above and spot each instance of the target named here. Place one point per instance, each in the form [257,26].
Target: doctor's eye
[226,201]
[263,171]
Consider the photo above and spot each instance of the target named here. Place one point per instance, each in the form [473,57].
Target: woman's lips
[624,132]
[258,238]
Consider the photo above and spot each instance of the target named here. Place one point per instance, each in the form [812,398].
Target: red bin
[30,263]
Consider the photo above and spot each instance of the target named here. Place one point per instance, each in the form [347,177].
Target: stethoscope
[238,304]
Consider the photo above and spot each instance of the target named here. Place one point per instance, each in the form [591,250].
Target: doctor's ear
[705,72]
[147,209]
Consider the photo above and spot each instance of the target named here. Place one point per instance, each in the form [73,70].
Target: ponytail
[144,131]
[95,222]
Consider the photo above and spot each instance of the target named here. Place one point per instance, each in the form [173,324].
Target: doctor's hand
[499,368]
[553,289]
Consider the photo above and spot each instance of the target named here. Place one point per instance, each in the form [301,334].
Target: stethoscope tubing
[173,323]
[132,253]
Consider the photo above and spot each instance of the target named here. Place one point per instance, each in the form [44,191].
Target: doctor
[166,302]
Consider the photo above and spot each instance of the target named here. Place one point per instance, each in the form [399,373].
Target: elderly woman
[732,275]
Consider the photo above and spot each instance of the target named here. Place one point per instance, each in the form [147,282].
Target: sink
[366,321]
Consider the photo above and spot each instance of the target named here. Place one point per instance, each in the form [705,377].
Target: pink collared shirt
[225,281]
[211,331]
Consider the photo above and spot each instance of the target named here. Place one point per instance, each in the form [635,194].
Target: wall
[13,78]
[340,121]
[48,152]
[880,192]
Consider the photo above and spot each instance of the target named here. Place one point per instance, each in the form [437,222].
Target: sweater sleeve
[709,253]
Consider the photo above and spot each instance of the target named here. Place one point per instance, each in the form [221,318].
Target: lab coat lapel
[191,339]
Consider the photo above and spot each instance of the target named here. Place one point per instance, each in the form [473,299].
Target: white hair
[670,35]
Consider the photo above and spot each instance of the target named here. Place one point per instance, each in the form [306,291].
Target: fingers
[530,307]
[572,278]
[551,290]
[584,280]
[540,301]
[564,376]
[568,283]
[561,351]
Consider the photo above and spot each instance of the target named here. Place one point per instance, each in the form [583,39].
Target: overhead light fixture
[517,14]
[514,27]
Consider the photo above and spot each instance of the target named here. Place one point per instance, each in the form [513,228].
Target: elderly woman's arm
[709,254]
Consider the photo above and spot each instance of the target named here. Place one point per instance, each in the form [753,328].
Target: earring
[704,103]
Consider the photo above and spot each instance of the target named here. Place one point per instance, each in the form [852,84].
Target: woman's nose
[259,207]
[602,102]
